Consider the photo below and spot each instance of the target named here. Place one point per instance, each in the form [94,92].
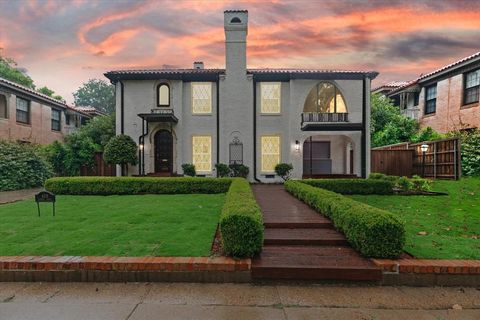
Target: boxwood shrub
[241,221]
[135,185]
[353,186]
[372,231]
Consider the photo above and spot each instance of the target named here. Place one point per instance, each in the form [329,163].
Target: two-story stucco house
[32,117]
[446,99]
[316,119]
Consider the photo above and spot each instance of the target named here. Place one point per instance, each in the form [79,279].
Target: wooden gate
[442,159]
[393,162]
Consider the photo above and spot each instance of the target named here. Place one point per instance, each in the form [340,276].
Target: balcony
[159,115]
[308,117]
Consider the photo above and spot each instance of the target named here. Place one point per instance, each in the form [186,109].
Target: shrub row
[372,231]
[135,185]
[353,186]
[241,221]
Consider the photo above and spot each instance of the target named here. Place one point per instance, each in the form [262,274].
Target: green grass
[452,222]
[136,225]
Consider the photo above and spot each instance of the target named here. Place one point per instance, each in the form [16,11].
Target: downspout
[218,120]
[122,123]
[255,131]
[364,130]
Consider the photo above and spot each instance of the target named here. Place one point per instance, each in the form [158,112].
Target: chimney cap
[198,65]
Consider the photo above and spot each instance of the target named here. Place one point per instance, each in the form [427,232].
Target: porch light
[297,145]
[424,147]
[141,146]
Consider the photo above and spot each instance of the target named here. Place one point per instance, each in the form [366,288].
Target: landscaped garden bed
[444,227]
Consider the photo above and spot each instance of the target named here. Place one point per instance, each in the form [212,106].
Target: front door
[316,158]
[163,151]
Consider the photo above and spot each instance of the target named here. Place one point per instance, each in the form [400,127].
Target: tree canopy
[96,93]
[389,126]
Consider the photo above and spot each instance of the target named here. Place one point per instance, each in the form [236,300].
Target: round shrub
[239,170]
[21,167]
[121,150]
[223,170]
[189,169]
[284,170]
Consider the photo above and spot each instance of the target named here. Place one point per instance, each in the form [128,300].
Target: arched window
[3,106]
[236,20]
[163,95]
[325,98]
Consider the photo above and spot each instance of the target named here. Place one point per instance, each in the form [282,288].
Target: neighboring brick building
[29,116]
[446,99]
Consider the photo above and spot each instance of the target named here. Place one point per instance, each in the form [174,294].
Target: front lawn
[127,225]
[451,223]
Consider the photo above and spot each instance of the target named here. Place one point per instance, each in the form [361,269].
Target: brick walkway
[302,244]
[17,195]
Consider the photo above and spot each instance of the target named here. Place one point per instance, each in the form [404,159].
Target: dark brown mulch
[217,249]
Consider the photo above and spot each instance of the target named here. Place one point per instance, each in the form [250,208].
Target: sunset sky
[64,43]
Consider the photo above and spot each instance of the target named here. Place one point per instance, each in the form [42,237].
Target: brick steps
[311,236]
[300,244]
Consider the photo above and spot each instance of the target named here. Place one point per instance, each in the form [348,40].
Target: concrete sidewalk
[17,195]
[232,301]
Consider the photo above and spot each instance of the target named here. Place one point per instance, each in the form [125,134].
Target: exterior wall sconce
[297,146]
[141,146]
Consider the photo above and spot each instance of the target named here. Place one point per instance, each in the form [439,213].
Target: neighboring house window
[67,119]
[471,90]
[23,110]
[431,99]
[3,106]
[202,153]
[270,153]
[201,97]
[56,118]
[325,98]
[271,97]
[163,95]
[416,98]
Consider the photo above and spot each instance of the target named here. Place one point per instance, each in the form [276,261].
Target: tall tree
[96,93]
[9,71]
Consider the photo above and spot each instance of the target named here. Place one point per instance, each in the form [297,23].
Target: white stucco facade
[237,116]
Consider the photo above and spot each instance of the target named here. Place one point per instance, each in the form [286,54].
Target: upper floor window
[3,106]
[431,99]
[201,97]
[325,98]
[416,98]
[23,110]
[271,97]
[163,95]
[471,88]
[56,120]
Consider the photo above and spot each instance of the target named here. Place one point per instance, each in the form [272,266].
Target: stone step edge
[429,266]
[107,263]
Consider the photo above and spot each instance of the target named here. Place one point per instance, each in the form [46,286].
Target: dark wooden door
[163,151]
[316,158]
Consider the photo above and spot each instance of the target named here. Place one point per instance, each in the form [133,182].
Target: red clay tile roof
[453,64]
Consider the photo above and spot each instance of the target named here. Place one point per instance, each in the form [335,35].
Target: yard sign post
[45,196]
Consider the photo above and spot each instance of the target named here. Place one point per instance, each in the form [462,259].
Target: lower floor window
[202,153]
[270,153]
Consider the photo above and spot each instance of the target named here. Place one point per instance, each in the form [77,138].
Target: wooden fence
[442,159]
[100,168]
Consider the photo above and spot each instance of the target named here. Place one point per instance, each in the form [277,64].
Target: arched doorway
[163,141]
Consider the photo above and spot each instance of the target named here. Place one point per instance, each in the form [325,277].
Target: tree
[388,125]
[96,93]
[121,150]
[9,71]
[49,92]
[80,151]
[100,129]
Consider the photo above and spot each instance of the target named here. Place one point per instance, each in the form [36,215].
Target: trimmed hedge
[135,185]
[353,186]
[373,232]
[241,221]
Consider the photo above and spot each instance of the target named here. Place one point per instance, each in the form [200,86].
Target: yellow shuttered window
[201,97]
[270,97]
[202,153]
[270,153]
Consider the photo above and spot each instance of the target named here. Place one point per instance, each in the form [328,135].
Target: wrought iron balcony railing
[308,117]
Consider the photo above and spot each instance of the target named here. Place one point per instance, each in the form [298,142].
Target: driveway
[17,195]
[232,301]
